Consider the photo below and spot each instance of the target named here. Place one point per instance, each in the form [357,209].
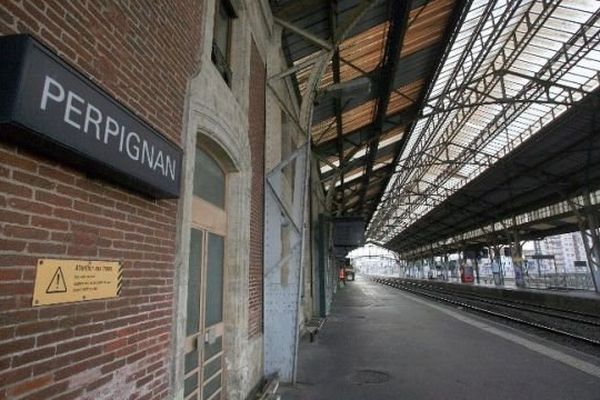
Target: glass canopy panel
[541,64]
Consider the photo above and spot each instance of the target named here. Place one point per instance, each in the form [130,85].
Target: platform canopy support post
[589,227]
[517,255]
[462,259]
[497,260]
[432,269]
[445,266]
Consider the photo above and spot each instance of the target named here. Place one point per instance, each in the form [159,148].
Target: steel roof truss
[543,83]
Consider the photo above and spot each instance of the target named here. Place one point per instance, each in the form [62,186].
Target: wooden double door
[204,327]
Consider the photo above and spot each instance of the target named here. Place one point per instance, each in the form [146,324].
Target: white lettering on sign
[87,118]
[94,120]
[70,109]
[47,94]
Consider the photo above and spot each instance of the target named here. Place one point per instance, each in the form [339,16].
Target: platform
[381,343]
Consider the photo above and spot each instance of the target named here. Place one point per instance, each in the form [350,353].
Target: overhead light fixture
[346,88]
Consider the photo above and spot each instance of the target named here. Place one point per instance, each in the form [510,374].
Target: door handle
[209,336]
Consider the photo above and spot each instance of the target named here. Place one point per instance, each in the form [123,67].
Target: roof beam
[306,35]
[296,7]
[337,102]
[571,51]
[489,213]
[399,11]
[361,136]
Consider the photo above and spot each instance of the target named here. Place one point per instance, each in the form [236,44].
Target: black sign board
[348,232]
[49,106]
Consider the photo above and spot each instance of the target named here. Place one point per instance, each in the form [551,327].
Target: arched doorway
[204,324]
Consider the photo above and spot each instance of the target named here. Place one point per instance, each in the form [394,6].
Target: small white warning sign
[66,281]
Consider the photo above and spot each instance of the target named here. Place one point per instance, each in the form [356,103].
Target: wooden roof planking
[361,55]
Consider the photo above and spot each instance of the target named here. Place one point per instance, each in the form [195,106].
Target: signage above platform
[68,281]
[57,110]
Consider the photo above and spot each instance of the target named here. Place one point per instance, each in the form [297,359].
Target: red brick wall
[256,117]
[118,348]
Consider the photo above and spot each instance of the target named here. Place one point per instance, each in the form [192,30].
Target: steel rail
[547,328]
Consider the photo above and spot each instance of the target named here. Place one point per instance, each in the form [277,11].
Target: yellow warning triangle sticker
[57,284]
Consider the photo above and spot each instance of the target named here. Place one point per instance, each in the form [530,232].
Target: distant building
[568,251]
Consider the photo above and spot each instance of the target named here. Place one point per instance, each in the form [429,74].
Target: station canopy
[408,101]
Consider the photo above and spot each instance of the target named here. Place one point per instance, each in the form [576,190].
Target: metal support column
[498,256]
[432,269]
[445,266]
[589,224]
[517,255]
[589,227]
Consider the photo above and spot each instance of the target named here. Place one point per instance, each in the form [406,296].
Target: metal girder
[466,59]
[284,163]
[323,58]
[340,35]
[545,178]
[306,35]
[535,171]
[377,175]
[312,59]
[457,18]
[292,9]
[478,93]
[537,87]
[505,227]
[282,207]
[337,102]
[349,164]
[516,105]
[362,134]
[399,12]
[589,225]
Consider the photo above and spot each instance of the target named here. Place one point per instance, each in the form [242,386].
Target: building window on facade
[221,54]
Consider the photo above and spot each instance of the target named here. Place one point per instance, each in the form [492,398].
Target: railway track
[571,324]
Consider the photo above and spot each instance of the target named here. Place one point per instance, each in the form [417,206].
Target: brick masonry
[118,348]
[256,132]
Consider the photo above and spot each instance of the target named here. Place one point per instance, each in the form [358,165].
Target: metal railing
[564,281]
